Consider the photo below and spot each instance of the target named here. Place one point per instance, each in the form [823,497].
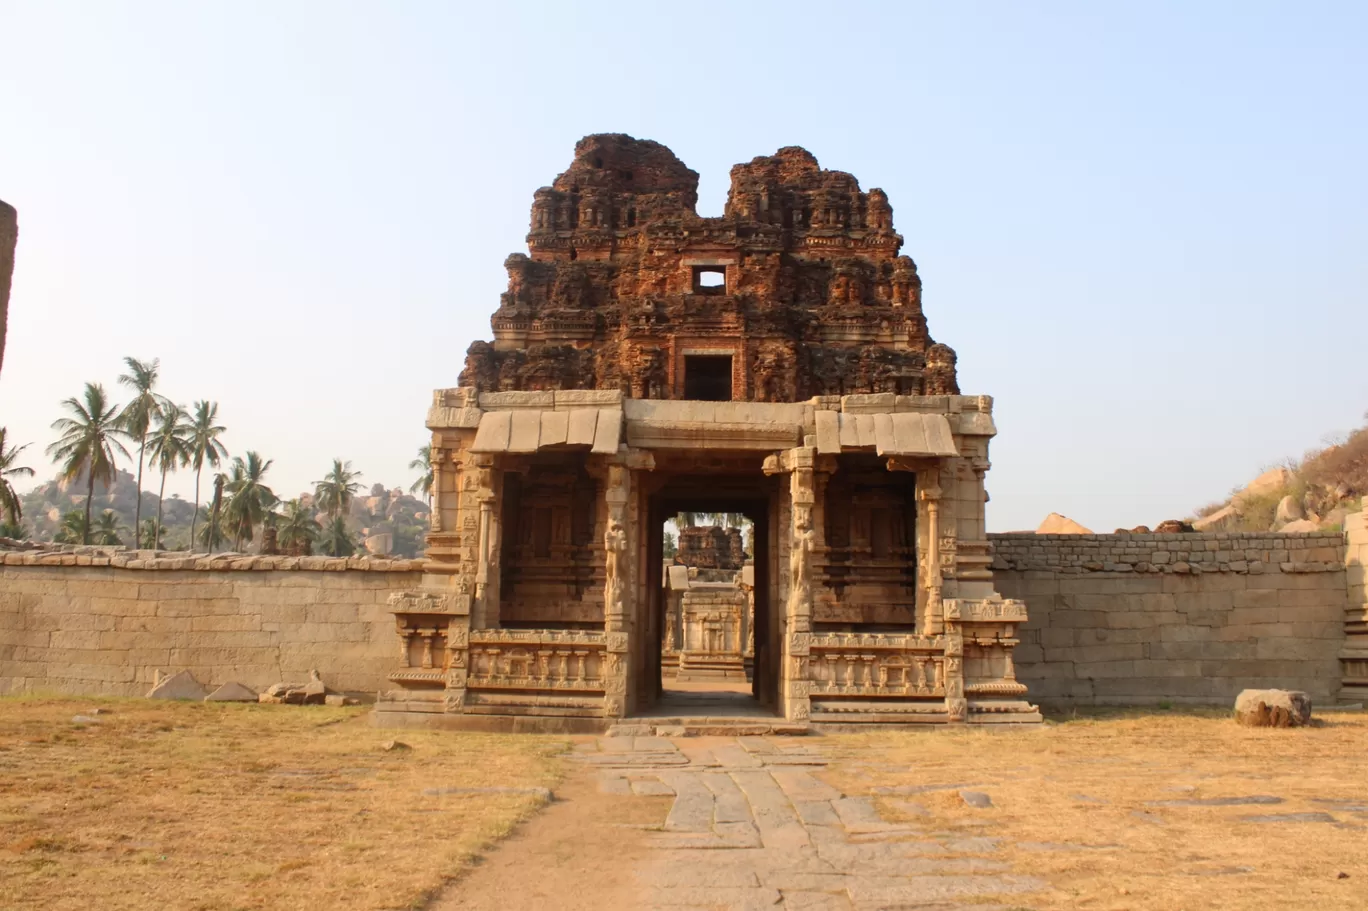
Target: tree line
[95,432]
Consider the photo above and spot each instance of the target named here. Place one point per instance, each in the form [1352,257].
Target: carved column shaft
[487,547]
[616,583]
[437,456]
[798,632]
[933,622]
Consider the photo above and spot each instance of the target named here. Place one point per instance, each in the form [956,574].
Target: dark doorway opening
[708,377]
[713,692]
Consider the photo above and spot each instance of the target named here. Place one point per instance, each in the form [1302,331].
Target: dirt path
[579,854]
[723,823]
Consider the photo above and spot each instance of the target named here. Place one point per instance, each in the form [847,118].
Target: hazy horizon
[1140,226]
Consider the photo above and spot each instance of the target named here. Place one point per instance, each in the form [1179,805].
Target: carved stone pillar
[802,491]
[956,706]
[457,660]
[616,583]
[487,548]
[437,456]
[980,469]
[933,617]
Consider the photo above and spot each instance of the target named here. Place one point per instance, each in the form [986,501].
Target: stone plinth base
[835,715]
[489,724]
[702,668]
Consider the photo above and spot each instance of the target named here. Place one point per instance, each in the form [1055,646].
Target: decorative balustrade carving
[876,664]
[540,660]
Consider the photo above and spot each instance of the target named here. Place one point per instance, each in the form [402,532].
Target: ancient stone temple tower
[773,362]
[797,291]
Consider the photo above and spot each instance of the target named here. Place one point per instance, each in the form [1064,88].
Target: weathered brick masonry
[107,624]
[1188,618]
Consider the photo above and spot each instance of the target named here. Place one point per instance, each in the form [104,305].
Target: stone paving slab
[753,825]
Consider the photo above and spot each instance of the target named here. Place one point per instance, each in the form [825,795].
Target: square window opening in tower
[709,279]
[708,377]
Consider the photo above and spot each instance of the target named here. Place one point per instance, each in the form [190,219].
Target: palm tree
[423,465]
[170,449]
[298,529]
[137,416]
[335,492]
[75,528]
[106,530]
[147,535]
[89,443]
[251,498]
[336,540]
[204,448]
[213,529]
[9,500]
[15,531]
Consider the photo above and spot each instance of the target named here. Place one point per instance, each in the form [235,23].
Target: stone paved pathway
[752,826]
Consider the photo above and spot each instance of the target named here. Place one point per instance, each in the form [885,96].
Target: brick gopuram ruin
[773,362]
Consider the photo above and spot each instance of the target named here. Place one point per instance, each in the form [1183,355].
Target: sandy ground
[578,854]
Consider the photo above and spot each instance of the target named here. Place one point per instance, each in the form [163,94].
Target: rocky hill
[1313,494]
[385,521]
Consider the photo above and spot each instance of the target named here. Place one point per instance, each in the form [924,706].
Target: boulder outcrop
[1273,708]
[1055,524]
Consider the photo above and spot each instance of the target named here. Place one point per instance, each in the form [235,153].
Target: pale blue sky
[1142,226]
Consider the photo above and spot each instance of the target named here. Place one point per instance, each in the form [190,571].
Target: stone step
[702,726]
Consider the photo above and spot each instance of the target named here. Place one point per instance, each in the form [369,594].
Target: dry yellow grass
[222,807]
[1079,803]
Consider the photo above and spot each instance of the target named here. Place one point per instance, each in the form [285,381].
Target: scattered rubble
[232,692]
[1273,708]
[976,799]
[312,693]
[180,685]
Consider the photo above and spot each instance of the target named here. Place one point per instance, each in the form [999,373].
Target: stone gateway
[774,362]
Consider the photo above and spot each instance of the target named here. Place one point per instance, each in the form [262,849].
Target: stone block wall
[1355,655]
[105,625]
[1140,619]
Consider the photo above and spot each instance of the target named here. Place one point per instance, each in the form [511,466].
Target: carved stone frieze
[985,611]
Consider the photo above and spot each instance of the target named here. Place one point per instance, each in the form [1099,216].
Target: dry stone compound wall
[96,624]
[1355,654]
[1114,619]
[1140,619]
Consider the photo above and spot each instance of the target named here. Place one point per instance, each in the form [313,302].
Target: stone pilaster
[488,544]
[929,494]
[616,585]
[798,613]
[980,468]
[956,706]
